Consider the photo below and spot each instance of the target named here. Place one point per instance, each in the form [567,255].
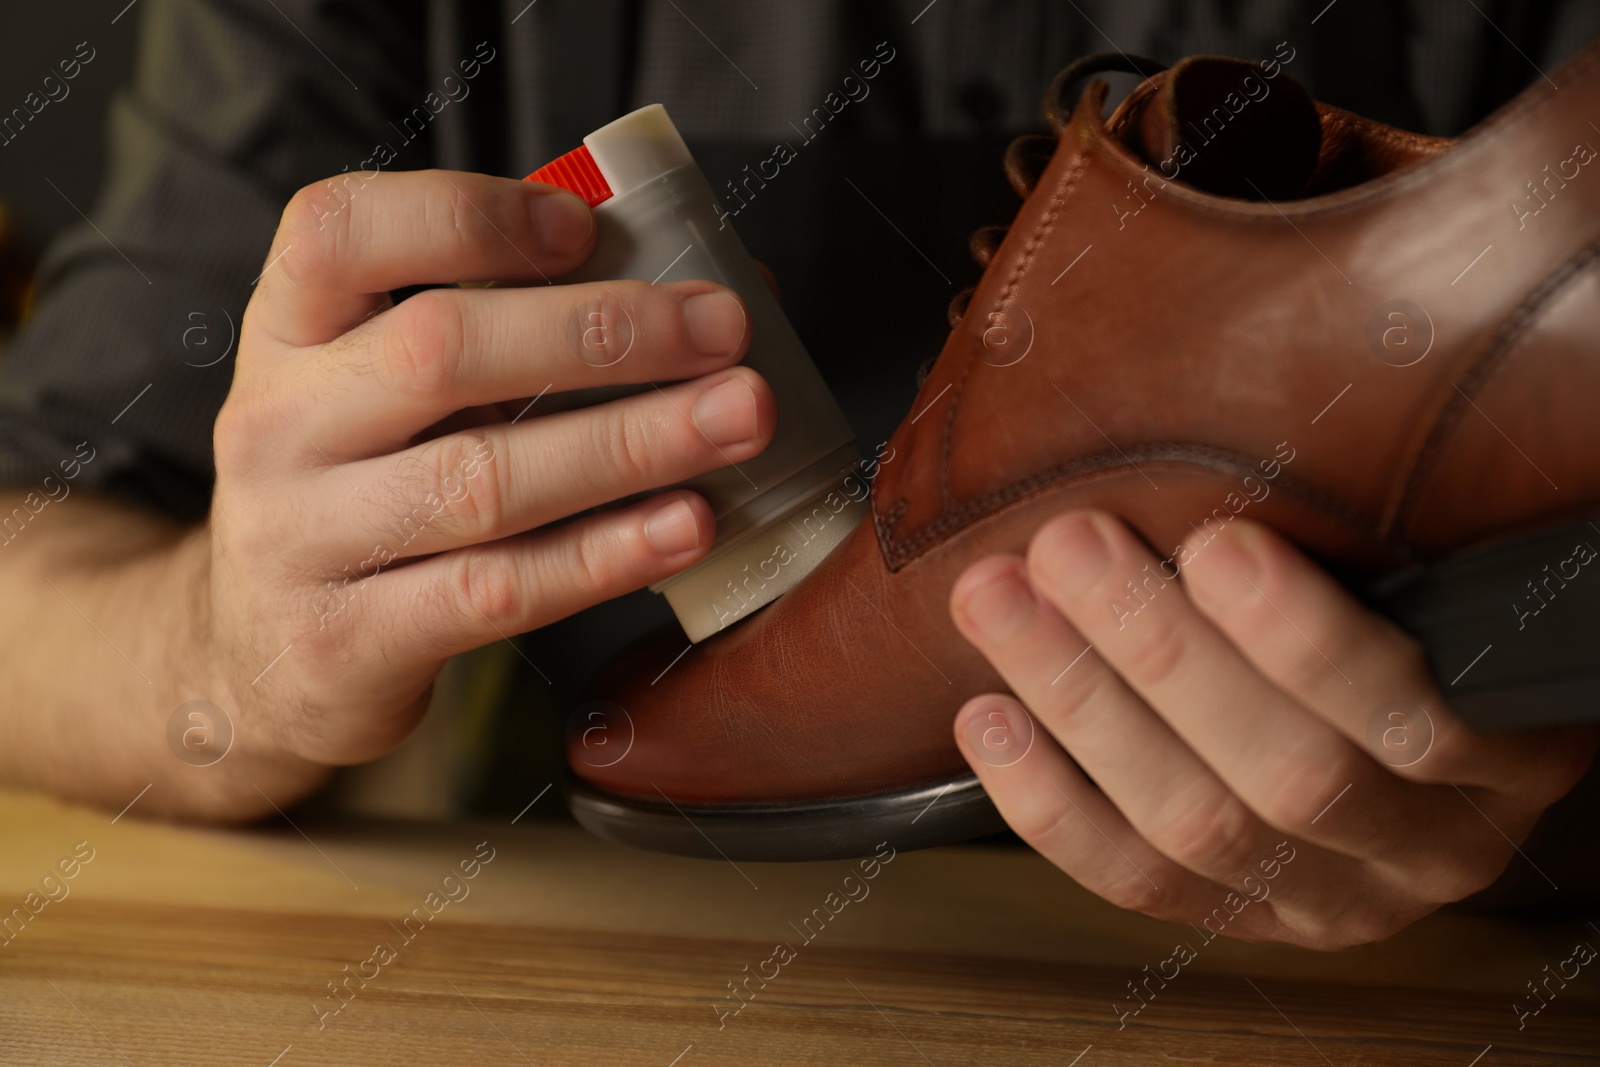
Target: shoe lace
[1027,157]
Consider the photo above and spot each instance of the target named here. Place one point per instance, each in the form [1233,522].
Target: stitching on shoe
[1206,457]
[1058,200]
[885,526]
[1496,355]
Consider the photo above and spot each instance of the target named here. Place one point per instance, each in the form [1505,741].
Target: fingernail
[715,322]
[672,530]
[726,413]
[998,732]
[563,222]
[1226,571]
[1074,553]
[1001,607]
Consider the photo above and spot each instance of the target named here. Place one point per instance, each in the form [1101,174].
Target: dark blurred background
[52,169]
[70,149]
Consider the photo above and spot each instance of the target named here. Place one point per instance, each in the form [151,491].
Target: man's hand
[1246,746]
[389,491]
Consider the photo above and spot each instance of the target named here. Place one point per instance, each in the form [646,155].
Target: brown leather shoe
[1226,299]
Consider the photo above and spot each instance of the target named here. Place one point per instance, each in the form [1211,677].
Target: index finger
[345,243]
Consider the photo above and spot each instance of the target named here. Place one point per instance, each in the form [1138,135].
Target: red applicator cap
[577,173]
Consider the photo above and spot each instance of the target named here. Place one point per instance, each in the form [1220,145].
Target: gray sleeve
[234,105]
[1573,24]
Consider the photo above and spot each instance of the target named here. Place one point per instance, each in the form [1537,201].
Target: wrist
[230,759]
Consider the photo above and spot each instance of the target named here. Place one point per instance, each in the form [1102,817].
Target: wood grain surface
[178,945]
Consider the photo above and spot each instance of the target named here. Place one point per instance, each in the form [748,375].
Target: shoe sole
[789,832]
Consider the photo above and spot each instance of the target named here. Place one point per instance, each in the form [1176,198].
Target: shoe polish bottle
[781,512]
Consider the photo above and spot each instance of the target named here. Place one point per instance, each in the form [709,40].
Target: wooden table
[177,945]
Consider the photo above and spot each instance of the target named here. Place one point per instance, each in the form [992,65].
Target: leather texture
[1396,364]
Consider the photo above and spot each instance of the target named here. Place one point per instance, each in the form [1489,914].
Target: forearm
[105,635]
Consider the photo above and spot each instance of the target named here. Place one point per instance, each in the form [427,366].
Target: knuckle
[1467,873]
[633,445]
[1310,668]
[1079,696]
[1305,671]
[1045,827]
[602,329]
[440,218]
[1301,789]
[450,219]
[594,563]
[442,485]
[1134,892]
[238,428]
[1458,865]
[255,422]
[303,211]
[473,505]
[316,224]
[1057,831]
[1334,643]
[1155,653]
[1453,751]
[1363,924]
[1378,919]
[424,339]
[487,588]
[1214,837]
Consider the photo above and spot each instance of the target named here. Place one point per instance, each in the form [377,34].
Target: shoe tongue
[1224,126]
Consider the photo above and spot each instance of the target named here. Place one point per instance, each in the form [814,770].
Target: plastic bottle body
[779,513]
